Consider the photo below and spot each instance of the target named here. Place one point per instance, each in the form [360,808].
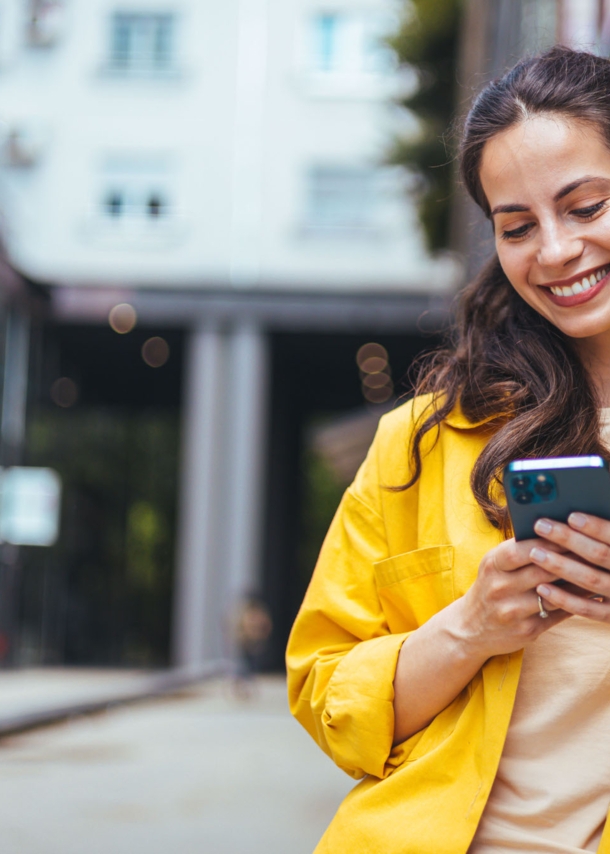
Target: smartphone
[554,488]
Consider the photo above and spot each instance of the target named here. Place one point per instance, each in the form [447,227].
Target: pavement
[202,771]
[35,696]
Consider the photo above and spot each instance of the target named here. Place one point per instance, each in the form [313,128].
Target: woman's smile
[579,288]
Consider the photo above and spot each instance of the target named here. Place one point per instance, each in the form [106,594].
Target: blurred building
[198,187]
[495,34]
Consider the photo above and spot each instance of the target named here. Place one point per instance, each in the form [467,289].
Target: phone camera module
[524,497]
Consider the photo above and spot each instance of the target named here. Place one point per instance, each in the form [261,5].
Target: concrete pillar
[245,462]
[195,641]
[222,490]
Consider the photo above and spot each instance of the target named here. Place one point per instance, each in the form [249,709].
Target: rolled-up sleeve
[341,655]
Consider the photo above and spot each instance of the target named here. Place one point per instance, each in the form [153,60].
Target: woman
[432,654]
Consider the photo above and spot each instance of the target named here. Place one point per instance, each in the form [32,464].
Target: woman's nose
[558,246]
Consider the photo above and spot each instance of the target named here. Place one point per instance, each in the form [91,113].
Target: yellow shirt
[390,561]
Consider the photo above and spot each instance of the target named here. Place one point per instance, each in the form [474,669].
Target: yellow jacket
[389,562]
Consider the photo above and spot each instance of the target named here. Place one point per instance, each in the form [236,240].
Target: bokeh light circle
[64,392]
[378,395]
[372,358]
[376,380]
[155,352]
[122,318]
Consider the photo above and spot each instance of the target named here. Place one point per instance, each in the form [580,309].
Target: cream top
[552,789]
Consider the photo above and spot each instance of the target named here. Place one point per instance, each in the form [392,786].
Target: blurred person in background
[476,703]
[252,631]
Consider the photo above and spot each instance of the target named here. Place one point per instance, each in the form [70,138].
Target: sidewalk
[37,696]
[202,771]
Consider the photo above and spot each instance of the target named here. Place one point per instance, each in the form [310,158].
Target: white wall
[230,136]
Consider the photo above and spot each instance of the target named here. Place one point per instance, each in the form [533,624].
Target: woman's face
[547,181]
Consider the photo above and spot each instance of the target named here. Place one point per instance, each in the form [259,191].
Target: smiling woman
[476,702]
[554,242]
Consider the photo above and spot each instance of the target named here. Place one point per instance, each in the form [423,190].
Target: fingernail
[538,554]
[578,520]
[543,526]
[543,590]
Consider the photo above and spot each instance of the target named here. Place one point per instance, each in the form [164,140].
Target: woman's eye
[590,211]
[517,232]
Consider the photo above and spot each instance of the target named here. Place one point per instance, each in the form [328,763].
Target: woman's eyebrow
[574,185]
[560,194]
[514,208]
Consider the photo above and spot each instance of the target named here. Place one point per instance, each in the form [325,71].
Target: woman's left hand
[584,563]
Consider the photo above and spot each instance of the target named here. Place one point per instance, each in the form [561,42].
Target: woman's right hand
[500,613]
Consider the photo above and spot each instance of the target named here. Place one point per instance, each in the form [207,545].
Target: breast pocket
[414,586]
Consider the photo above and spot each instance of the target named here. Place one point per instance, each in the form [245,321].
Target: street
[202,772]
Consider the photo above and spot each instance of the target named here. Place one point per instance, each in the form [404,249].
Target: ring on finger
[541,609]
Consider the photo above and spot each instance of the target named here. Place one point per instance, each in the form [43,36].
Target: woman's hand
[583,559]
[500,613]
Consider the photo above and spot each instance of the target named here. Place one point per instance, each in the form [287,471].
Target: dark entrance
[315,379]
[108,422]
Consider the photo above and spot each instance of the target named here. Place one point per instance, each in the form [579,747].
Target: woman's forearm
[435,664]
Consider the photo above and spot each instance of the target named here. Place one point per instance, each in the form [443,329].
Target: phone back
[554,488]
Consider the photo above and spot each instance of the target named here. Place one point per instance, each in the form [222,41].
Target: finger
[576,605]
[592,526]
[516,611]
[575,571]
[538,625]
[511,555]
[595,551]
[525,579]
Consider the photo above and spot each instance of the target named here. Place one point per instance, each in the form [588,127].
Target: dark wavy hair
[506,362]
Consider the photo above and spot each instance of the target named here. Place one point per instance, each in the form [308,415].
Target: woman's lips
[578,299]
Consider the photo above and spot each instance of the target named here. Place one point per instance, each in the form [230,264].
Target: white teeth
[580,287]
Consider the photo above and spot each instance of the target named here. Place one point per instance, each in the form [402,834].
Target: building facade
[215,170]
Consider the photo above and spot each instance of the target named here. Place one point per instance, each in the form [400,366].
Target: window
[142,42]
[342,198]
[348,43]
[325,29]
[135,204]
[136,188]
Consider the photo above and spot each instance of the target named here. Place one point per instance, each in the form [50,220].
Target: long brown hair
[505,362]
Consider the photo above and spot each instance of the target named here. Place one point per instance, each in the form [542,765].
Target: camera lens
[545,487]
[524,497]
[520,482]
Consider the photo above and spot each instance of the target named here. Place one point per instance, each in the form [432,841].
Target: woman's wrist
[435,664]
[468,645]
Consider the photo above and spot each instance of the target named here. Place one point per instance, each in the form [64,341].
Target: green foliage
[102,594]
[427,41]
